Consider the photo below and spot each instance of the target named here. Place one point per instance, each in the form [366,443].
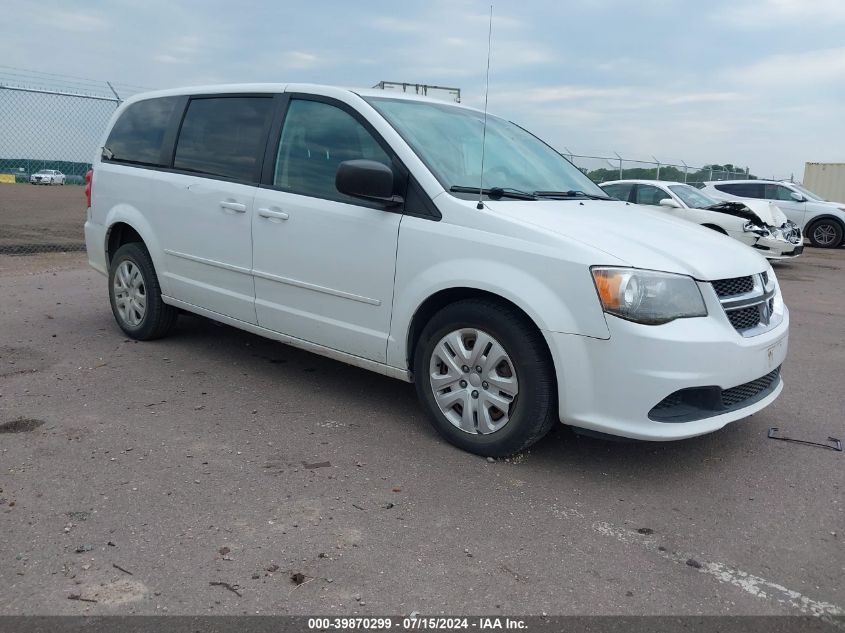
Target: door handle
[272,215]
[237,207]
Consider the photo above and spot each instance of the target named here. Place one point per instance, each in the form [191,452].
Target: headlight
[647,296]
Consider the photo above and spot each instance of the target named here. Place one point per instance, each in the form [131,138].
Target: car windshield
[448,140]
[44,172]
[807,192]
[692,197]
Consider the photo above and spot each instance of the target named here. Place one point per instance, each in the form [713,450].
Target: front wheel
[135,295]
[484,375]
[825,233]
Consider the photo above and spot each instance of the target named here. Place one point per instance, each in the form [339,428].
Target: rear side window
[138,134]
[621,190]
[744,189]
[223,136]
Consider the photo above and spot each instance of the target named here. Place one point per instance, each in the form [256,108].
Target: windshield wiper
[495,193]
[569,194]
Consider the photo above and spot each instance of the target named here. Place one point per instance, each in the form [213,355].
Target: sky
[754,83]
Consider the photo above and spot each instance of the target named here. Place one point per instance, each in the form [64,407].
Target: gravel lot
[39,218]
[144,475]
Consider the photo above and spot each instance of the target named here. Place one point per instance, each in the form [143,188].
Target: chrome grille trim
[748,303]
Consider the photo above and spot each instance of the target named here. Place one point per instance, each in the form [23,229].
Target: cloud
[300,60]
[757,14]
[76,21]
[792,71]
[705,97]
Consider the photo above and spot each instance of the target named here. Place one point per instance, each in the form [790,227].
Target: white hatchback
[358,224]
[756,223]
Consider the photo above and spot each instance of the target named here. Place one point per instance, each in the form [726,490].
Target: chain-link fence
[615,167]
[50,126]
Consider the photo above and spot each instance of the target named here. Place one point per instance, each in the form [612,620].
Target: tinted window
[778,192]
[138,134]
[646,194]
[223,136]
[621,190]
[316,138]
[744,189]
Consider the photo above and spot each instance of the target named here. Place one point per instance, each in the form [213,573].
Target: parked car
[357,225]
[47,177]
[821,221]
[758,224]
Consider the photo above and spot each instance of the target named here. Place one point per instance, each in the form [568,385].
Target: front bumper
[781,250]
[612,385]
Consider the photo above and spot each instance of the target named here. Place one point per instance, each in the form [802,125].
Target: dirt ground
[39,218]
[218,472]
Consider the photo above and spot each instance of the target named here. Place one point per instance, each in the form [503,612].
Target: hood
[638,236]
[767,212]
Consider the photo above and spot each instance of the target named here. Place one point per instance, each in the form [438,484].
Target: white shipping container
[826,179]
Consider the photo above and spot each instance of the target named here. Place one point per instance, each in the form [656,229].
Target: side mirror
[797,197]
[367,179]
[670,202]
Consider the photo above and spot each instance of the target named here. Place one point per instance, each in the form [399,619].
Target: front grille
[698,403]
[735,395]
[732,287]
[748,303]
[744,318]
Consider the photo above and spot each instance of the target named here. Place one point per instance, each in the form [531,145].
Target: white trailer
[826,179]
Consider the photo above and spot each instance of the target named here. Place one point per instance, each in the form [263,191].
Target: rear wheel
[484,376]
[135,295]
[825,233]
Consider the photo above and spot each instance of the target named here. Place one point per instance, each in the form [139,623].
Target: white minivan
[357,224]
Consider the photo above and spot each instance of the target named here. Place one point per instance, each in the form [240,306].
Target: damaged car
[757,223]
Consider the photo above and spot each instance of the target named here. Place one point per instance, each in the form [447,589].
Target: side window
[316,138]
[647,194]
[621,190]
[778,192]
[138,134]
[744,190]
[223,136]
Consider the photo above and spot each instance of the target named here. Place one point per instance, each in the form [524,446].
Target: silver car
[47,177]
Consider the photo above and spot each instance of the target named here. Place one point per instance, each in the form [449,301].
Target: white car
[756,223]
[357,224]
[47,177]
[821,221]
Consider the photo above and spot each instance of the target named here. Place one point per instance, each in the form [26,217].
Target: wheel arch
[447,296]
[117,235]
[127,224]
[714,227]
[811,223]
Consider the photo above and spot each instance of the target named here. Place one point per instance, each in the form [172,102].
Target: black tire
[534,410]
[825,233]
[158,318]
